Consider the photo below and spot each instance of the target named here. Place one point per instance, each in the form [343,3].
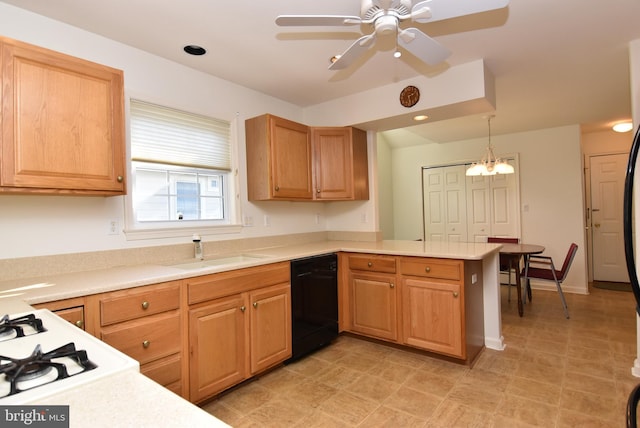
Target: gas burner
[42,368]
[19,327]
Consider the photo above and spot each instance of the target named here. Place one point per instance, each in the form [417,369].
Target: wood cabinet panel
[340,163]
[208,287]
[432,268]
[139,302]
[374,305]
[218,346]
[165,371]
[432,316]
[270,326]
[278,159]
[62,123]
[146,339]
[71,310]
[372,263]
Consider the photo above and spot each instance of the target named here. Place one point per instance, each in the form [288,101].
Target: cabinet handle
[243,308]
[455,294]
[427,269]
[79,323]
[277,188]
[119,178]
[369,264]
[392,285]
[146,344]
[145,305]
[318,191]
[255,305]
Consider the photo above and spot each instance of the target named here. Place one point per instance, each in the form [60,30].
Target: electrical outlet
[113,227]
[267,221]
[248,220]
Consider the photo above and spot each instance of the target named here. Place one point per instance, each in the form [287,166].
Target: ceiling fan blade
[423,46]
[437,10]
[317,20]
[358,47]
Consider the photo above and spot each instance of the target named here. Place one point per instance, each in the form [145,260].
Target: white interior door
[607,188]
[478,208]
[505,214]
[445,217]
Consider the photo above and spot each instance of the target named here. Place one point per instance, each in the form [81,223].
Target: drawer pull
[277,188]
[255,305]
[120,179]
[455,294]
[243,308]
[427,269]
[392,285]
[146,344]
[145,305]
[79,324]
[369,264]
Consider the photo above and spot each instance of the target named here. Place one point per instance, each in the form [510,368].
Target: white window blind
[168,136]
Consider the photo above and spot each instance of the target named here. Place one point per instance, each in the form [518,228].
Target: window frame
[135,230]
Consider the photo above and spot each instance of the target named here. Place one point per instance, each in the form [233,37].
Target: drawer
[139,302]
[432,268]
[373,263]
[147,339]
[165,371]
[214,286]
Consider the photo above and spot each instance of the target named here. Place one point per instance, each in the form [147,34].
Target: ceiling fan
[386,15]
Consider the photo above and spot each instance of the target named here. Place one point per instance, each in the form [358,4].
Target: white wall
[43,225]
[551,192]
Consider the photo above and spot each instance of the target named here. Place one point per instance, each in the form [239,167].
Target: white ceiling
[555,62]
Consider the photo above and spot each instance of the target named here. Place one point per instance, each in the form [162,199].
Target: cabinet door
[63,123]
[290,159]
[218,334]
[270,326]
[432,316]
[333,163]
[373,305]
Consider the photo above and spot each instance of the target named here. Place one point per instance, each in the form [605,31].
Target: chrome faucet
[198,247]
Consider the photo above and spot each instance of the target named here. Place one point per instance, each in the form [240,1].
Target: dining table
[514,253]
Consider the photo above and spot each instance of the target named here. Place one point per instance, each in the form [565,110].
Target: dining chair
[505,261]
[542,267]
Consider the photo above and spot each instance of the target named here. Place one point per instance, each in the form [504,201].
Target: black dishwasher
[314,303]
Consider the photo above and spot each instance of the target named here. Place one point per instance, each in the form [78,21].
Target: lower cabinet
[239,326]
[71,310]
[146,324]
[373,305]
[428,303]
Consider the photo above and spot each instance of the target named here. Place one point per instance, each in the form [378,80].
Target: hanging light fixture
[490,164]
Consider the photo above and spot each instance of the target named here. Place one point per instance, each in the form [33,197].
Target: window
[181,166]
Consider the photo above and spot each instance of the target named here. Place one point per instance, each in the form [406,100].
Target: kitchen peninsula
[117,283]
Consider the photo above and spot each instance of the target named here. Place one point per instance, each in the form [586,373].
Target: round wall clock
[409,96]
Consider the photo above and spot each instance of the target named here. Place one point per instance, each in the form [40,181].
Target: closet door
[444,204]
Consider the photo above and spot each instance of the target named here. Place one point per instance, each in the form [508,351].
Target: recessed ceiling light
[195,50]
[623,127]
[420,117]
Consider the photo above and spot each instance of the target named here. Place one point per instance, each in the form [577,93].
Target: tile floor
[554,373]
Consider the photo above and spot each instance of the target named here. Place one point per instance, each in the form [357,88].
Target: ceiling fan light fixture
[420,117]
[623,127]
[334,58]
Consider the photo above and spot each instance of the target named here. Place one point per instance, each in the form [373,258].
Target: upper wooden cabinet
[62,123]
[290,161]
[341,170]
[278,159]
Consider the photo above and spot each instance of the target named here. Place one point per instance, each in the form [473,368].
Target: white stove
[41,355]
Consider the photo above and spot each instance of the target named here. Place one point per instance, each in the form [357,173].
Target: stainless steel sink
[221,261]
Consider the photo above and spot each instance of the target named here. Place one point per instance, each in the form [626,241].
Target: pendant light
[489,164]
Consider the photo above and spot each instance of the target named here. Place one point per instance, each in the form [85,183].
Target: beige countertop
[64,286]
[129,399]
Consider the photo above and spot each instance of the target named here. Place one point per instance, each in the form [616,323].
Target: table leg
[527,283]
[518,286]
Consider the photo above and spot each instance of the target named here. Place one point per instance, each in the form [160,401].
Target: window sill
[140,234]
